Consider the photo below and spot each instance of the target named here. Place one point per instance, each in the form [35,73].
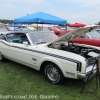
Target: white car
[57,57]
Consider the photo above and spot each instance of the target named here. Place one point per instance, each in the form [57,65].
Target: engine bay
[89,53]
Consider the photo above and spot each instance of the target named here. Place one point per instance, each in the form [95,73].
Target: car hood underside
[68,37]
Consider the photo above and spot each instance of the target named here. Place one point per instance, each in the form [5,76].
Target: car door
[17,50]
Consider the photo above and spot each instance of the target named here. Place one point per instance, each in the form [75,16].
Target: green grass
[21,82]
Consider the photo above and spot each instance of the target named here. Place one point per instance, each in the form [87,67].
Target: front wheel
[53,73]
[2,58]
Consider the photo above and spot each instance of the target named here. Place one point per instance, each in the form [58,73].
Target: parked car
[18,28]
[31,28]
[91,38]
[59,31]
[3,29]
[57,57]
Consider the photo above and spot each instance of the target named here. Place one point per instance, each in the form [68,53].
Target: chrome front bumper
[89,70]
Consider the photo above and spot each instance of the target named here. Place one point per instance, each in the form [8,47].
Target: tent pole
[42,26]
[37,26]
[14,26]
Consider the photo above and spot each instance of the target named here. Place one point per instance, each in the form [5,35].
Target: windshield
[94,34]
[42,37]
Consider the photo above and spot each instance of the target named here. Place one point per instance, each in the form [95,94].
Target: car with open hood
[90,38]
[57,58]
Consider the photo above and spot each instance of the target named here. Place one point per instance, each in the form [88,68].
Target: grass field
[18,82]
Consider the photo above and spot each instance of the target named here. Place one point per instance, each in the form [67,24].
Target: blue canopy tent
[40,18]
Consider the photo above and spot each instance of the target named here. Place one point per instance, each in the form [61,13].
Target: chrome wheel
[53,73]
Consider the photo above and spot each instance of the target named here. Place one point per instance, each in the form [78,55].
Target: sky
[74,11]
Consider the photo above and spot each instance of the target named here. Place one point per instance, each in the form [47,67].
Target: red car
[59,31]
[91,38]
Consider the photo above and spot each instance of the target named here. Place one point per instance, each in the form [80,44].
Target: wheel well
[43,65]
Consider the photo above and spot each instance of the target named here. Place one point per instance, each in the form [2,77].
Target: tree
[6,21]
[99,23]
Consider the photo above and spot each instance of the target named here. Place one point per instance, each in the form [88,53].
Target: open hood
[74,34]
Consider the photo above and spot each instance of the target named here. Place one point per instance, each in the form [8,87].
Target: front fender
[51,60]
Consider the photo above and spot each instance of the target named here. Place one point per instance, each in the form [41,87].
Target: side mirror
[25,43]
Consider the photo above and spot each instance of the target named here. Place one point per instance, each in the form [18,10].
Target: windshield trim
[42,37]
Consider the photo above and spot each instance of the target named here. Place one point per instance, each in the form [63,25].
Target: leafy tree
[6,21]
[98,23]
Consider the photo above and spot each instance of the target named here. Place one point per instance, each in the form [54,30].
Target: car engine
[89,53]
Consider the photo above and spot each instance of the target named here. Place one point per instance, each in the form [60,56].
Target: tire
[2,58]
[53,74]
